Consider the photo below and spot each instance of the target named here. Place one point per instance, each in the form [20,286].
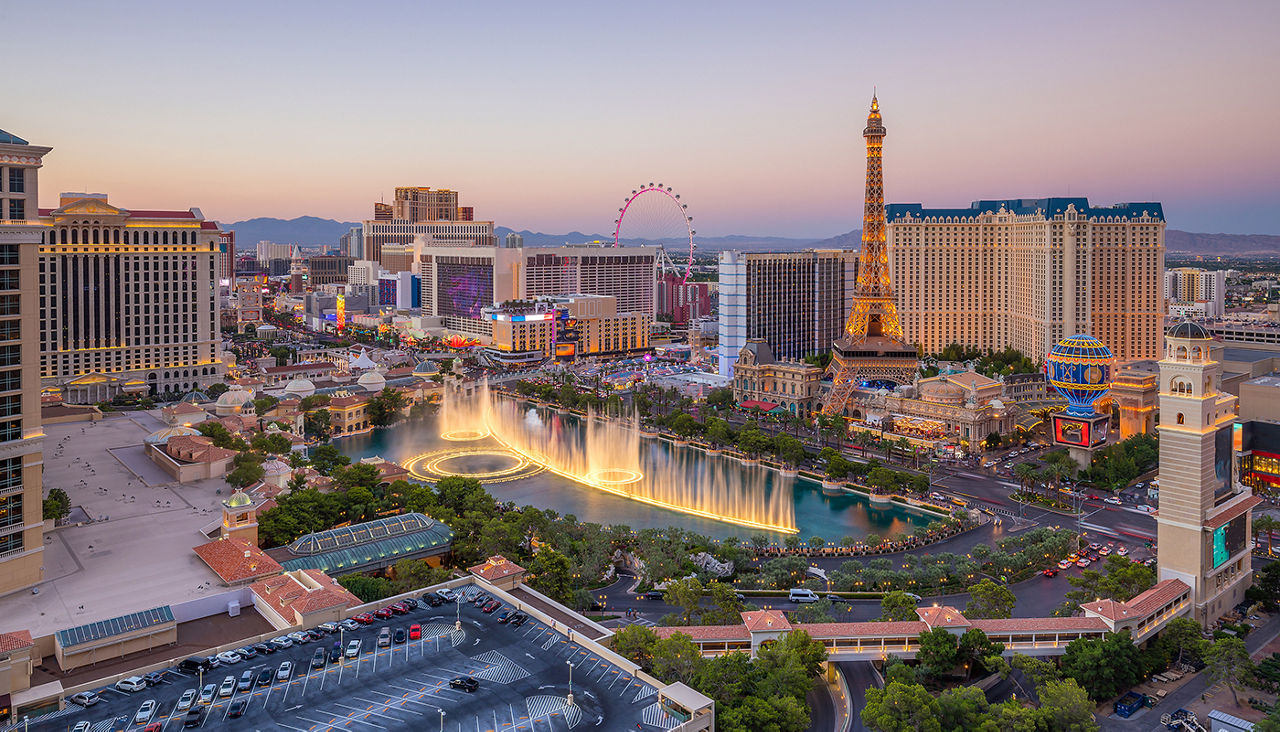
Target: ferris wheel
[654,214]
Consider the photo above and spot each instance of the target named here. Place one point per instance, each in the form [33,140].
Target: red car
[1050,572]
[382,613]
[493,605]
[397,608]
[415,632]
[364,618]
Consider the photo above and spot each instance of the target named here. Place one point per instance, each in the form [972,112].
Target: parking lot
[523,676]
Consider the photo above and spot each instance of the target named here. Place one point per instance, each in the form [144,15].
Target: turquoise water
[816,514]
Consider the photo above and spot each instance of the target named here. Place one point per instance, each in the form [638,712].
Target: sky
[544,116]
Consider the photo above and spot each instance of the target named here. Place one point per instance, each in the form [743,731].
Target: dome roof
[160,437]
[941,390]
[372,381]
[1189,329]
[300,387]
[362,361]
[239,499]
[276,467]
[427,368]
[236,396]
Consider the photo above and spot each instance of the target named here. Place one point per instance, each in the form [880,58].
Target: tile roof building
[236,561]
[303,597]
[499,570]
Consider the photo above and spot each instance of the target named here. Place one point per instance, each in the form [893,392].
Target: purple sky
[545,115]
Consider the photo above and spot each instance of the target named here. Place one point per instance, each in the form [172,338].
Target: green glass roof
[11,139]
[358,534]
[432,540]
[115,626]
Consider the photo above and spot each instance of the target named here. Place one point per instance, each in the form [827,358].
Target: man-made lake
[606,472]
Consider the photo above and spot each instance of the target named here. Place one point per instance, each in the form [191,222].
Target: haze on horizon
[545,116]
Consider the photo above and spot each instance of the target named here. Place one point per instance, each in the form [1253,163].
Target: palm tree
[1026,474]
[1265,523]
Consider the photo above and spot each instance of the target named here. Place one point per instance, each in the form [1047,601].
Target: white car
[283,641]
[131,684]
[145,711]
[186,700]
[285,671]
[447,594]
[208,693]
[229,657]
[85,699]
[1112,500]
[350,624]
[299,637]
[1122,551]
[353,648]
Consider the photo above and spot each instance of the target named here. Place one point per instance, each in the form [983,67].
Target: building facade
[796,301]
[759,377]
[1027,273]
[327,270]
[564,327]
[127,297]
[268,251]
[681,301]
[626,273]
[21,457]
[1191,287]
[1203,525]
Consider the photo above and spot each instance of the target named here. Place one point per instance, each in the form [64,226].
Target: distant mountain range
[313,231]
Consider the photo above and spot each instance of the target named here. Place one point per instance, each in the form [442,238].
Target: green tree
[814,612]
[57,505]
[326,458]
[385,407]
[685,594]
[676,658]
[551,573]
[718,432]
[248,470]
[975,648]
[1227,662]
[1038,670]
[1103,666]
[726,608]
[1012,716]
[368,589]
[216,390]
[264,404]
[273,443]
[789,665]
[752,441]
[360,475]
[961,708]
[636,642]
[1066,706]
[413,574]
[314,401]
[720,398]
[1182,640]
[897,606]
[901,708]
[1120,580]
[765,714]
[938,651]
[988,600]
[318,425]
[895,669]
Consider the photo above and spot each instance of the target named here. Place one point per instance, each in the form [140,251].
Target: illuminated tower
[296,269]
[871,351]
[1203,523]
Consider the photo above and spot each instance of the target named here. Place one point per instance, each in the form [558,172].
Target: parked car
[384,637]
[246,681]
[193,718]
[247,652]
[335,654]
[228,687]
[519,620]
[264,648]
[481,600]
[410,603]
[505,615]
[399,636]
[265,676]
[466,683]
[490,607]
[119,724]
[282,641]
[143,715]
[1083,562]
[131,684]
[446,594]
[313,634]
[81,727]
[186,700]
[153,727]
[382,613]
[1122,551]
[208,693]
[299,637]
[194,665]
[433,600]
[1050,572]
[353,648]
[1065,563]
[85,699]
[236,710]
[350,624]
[1104,551]
[329,628]
[285,672]
[229,657]
[415,631]
[802,595]
[317,658]
[397,608]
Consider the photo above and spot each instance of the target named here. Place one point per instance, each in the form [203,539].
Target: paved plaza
[137,546]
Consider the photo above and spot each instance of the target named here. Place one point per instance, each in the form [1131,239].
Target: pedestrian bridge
[1142,616]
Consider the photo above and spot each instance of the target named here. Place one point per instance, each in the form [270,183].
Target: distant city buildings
[681,301]
[21,457]
[128,300]
[795,301]
[759,378]
[327,270]
[1191,291]
[565,327]
[423,217]
[1028,272]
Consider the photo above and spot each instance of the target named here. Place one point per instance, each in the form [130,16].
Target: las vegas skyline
[545,118]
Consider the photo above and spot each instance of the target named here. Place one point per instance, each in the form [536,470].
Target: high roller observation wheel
[680,221]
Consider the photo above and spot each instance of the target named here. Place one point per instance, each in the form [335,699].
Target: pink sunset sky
[545,115]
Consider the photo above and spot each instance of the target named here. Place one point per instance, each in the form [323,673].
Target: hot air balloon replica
[1080,368]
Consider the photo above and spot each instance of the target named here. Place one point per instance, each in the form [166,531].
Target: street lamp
[570,665]
[457,614]
[441,720]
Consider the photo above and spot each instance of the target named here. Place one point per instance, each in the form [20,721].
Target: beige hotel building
[128,299]
[21,434]
[1027,273]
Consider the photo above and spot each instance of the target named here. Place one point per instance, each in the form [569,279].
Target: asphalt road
[860,676]
[822,708]
[523,675]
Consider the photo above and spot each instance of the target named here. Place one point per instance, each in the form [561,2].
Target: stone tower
[1204,522]
[240,518]
[871,349]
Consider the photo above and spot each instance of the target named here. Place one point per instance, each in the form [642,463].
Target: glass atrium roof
[358,534]
[115,626]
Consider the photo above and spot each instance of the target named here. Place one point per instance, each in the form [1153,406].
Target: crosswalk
[547,706]
[498,668]
[645,692]
[655,715]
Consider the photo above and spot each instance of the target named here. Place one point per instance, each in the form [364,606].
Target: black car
[265,677]
[317,660]
[466,683]
[433,599]
[653,595]
[194,665]
[247,652]
[480,600]
[518,620]
[411,603]
[399,636]
[237,707]
[193,717]
[264,648]
[335,654]
[153,678]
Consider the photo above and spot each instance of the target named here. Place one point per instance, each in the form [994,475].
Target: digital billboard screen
[1070,431]
[1228,540]
[1223,455]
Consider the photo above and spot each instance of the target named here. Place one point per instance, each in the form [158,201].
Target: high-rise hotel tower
[1027,273]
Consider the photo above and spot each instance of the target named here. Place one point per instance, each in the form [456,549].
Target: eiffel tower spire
[872,348]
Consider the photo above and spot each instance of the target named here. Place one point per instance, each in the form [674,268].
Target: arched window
[164,238]
[84,236]
[115,236]
[95,237]
[1182,353]
[75,236]
[146,238]
[1181,420]
[64,236]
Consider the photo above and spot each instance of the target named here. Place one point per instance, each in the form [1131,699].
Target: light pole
[570,665]
[441,720]
[457,614]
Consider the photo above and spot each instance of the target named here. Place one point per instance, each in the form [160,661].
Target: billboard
[1223,455]
[1228,540]
[1078,432]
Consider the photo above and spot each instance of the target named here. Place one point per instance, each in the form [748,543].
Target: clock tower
[1204,522]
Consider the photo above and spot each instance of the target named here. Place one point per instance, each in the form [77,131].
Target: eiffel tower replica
[871,353]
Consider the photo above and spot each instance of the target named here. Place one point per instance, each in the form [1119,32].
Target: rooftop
[8,138]
[1048,207]
[495,568]
[375,542]
[121,625]
[236,560]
